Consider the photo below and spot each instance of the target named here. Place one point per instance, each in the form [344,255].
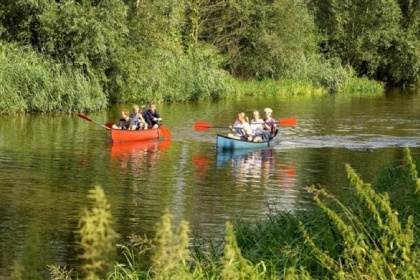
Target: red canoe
[120,135]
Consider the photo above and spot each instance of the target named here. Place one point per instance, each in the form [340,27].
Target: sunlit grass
[275,88]
[362,87]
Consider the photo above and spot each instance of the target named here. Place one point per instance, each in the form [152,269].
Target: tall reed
[31,82]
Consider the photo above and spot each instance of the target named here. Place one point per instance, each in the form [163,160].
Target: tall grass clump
[374,243]
[171,76]
[316,77]
[168,255]
[171,258]
[31,82]
[363,87]
[283,87]
[96,236]
[359,237]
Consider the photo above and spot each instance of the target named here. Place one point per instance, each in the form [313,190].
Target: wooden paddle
[205,125]
[95,122]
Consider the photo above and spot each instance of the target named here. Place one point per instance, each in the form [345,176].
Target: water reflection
[258,169]
[137,157]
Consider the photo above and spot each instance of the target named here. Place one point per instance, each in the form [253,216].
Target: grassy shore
[32,82]
[372,233]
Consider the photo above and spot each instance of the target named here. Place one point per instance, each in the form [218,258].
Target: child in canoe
[152,116]
[241,128]
[125,122]
[269,122]
[137,118]
[261,130]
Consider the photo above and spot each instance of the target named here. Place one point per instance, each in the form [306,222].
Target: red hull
[120,135]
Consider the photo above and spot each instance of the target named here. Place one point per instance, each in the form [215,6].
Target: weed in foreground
[96,236]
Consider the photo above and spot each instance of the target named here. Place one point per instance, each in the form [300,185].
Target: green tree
[88,34]
[378,39]
[260,38]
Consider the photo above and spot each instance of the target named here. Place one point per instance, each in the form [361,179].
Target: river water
[48,164]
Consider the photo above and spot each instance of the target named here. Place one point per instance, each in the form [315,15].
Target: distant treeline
[178,50]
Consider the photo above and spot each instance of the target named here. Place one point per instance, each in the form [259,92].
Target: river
[48,164]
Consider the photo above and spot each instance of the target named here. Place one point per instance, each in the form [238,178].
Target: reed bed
[31,82]
[363,87]
[285,87]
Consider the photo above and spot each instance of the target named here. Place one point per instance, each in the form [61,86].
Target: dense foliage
[177,50]
[379,39]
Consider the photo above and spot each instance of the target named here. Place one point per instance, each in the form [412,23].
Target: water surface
[49,163]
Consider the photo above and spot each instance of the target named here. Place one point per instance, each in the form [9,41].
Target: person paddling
[269,122]
[152,116]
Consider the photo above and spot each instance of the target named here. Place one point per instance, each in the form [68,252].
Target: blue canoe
[225,143]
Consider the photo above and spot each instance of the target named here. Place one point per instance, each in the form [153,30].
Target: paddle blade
[109,125]
[288,122]
[202,126]
[166,133]
[84,117]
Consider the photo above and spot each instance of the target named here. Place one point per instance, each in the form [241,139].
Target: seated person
[152,117]
[125,122]
[269,123]
[257,128]
[137,118]
[241,128]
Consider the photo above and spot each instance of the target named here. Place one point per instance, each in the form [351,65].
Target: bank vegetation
[82,55]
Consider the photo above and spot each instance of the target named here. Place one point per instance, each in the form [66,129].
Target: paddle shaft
[90,120]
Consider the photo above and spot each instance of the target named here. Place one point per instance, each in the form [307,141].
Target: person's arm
[266,125]
[141,119]
[147,117]
[158,118]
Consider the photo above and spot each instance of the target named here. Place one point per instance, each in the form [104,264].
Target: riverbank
[33,83]
[372,232]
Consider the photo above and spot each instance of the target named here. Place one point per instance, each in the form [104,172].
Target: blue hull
[225,143]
